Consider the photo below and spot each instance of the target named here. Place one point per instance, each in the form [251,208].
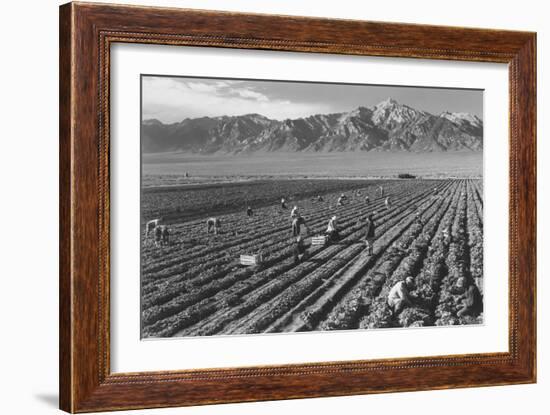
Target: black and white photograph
[275,207]
[271,206]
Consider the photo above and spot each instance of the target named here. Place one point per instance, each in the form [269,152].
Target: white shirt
[398,292]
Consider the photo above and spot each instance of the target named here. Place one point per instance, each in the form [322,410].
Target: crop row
[475,236]
[278,241]
[332,299]
[190,237]
[283,281]
[458,266]
[179,203]
[290,288]
[272,223]
[408,264]
[203,291]
[186,300]
[434,269]
[271,249]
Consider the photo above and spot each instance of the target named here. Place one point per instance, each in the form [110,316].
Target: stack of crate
[251,259]
[319,240]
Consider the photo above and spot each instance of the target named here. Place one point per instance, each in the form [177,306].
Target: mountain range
[387,126]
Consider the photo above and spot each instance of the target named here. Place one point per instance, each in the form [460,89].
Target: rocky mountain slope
[387,126]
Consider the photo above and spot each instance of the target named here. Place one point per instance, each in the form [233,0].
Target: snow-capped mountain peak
[391,113]
[462,117]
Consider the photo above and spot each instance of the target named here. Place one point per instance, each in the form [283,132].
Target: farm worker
[332,230]
[435,191]
[283,203]
[399,295]
[381,190]
[387,202]
[300,250]
[398,249]
[367,200]
[471,298]
[297,223]
[158,235]
[418,218]
[341,200]
[165,236]
[151,225]
[294,212]
[358,193]
[213,224]
[249,211]
[370,233]
[320,198]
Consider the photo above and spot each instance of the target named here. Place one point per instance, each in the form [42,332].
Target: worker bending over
[472,303]
[213,224]
[341,200]
[399,296]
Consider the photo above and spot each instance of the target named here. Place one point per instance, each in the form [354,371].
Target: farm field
[179,203]
[195,286]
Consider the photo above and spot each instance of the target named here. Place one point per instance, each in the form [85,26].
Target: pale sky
[172,99]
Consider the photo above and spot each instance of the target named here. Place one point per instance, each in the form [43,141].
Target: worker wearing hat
[399,295]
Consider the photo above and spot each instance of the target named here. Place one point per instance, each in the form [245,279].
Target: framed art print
[261,207]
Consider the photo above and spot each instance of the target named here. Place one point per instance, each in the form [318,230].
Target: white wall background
[29,169]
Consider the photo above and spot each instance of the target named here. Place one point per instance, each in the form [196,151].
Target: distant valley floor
[363,164]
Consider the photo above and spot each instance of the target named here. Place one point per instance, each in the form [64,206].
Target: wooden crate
[251,259]
[319,240]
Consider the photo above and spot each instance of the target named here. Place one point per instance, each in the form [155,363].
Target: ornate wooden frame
[86,33]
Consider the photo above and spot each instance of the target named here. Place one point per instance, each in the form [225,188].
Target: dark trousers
[333,236]
[298,257]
